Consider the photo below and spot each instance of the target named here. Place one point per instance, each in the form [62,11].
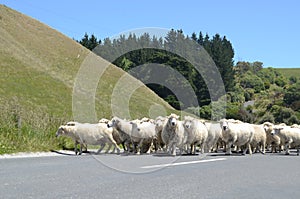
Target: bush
[292,95]
[293,80]
[250,80]
[281,114]
[249,94]
[268,117]
[205,112]
[293,120]
[280,81]
[232,111]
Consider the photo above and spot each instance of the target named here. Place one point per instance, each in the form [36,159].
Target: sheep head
[172,120]
[188,120]
[276,130]
[60,131]
[268,127]
[224,125]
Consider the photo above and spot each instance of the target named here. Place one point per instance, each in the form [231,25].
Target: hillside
[288,72]
[38,69]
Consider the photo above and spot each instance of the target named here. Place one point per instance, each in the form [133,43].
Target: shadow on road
[62,153]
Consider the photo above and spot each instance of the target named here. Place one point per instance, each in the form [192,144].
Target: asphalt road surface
[151,176]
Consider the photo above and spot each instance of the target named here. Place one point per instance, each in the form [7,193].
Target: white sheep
[295,126]
[214,135]
[173,134]
[196,133]
[272,140]
[159,124]
[143,133]
[146,119]
[259,138]
[93,134]
[290,136]
[115,134]
[123,129]
[237,134]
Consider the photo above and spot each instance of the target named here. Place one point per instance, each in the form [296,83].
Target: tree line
[275,98]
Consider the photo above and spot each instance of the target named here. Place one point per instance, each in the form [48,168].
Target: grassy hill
[288,72]
[38,69]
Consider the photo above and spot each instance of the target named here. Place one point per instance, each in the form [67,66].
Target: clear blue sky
[260,30]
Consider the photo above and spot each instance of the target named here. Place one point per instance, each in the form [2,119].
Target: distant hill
[288,72]
[38,67]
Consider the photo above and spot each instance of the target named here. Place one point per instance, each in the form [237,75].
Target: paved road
[148,176]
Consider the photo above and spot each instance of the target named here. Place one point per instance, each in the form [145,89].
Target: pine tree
[194,36]
[200,39]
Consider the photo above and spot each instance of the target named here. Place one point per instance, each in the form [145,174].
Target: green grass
[288,72]
[38,68]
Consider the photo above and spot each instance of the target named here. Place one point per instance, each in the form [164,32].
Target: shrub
[268,117]
[250,80]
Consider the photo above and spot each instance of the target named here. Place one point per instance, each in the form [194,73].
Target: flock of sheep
[169,133]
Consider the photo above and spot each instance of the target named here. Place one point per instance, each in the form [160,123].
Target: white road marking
[182,163]
[34,154]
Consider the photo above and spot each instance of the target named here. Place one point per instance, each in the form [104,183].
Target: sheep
[123,129]
[143,134]
[272,140]
[173,134]
[196,133]
[214,135]
[295,126]
[290,136]
[259,138]
[145,119]
[157,141]
[237,134]
[115,134]
[234,121]
[85,133]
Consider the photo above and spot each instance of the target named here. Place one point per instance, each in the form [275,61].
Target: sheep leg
[190,149]
[80,152]
[127,144]
[101,148]
[151,147]
[180,149]
[263,148]
[173,149]
[169,149]
[149,150]
[138,147]
[287,151]
[75,147]
[113,142]
[108,148]
[113,151]
[203,149]
[123,145]
[228,148]
[249,148]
